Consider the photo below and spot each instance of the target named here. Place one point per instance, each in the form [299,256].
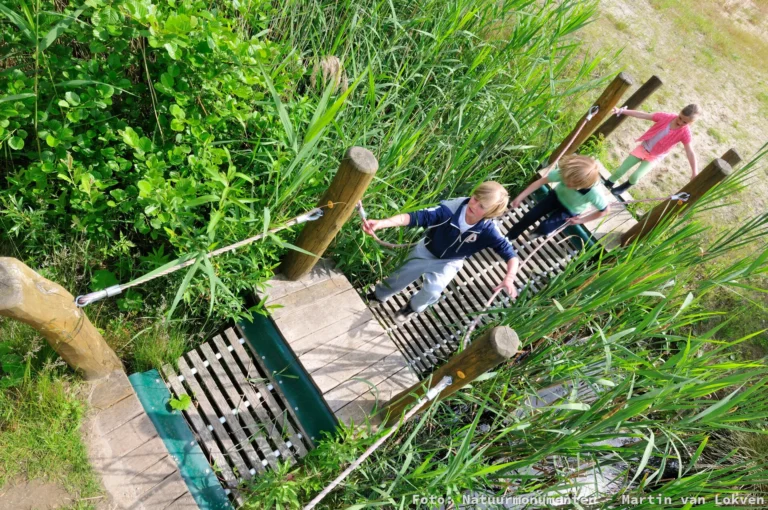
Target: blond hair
[493,197]
[579,172]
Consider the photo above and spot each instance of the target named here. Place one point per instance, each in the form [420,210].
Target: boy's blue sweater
[444,239]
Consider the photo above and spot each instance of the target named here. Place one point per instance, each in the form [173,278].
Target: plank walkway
[348,355]
[427,340]
[126,451]
[240,418]
[357,358]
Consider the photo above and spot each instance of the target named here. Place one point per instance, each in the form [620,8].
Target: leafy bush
[152,130]
[121,124]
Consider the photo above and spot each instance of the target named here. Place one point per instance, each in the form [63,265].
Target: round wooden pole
[348,186]
[731,157]
[486,352]
[50,309]
[635,100]
[714,173]
[607,100]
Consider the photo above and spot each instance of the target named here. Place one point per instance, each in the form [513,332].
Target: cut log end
[362,160]
[505,341]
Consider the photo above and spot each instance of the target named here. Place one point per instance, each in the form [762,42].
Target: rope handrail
[431,395]
[188,260]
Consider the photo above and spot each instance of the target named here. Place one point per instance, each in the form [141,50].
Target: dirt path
[709,52]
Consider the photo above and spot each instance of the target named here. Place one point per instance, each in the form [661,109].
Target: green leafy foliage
[182,403]
[140,125]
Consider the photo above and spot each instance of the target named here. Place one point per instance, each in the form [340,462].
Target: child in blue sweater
[456,229]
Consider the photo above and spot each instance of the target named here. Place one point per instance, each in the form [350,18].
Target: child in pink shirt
[668,130]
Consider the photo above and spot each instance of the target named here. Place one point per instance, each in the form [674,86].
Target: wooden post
[50,309]
[714,173]
[348,186]
[731,157]
[635,100]
[607,100]
[493,347]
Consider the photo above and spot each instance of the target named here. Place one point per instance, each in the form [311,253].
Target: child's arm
[633,113]
[586,218]
[508,283]
[691,159]
[527,191]
[400,220]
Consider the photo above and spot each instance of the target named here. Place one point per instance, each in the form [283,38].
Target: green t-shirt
[574,201]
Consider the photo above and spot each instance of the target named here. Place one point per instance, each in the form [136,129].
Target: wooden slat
[361,407]
[251,430]
[353,363]
[314,317]
[212,417]
[215,456]
[331,332]
[281,416]
[351,389]
[243,446]
[279,286]
[347,342]
[264,423]
[296,301]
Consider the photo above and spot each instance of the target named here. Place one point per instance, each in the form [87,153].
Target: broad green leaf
[16,143]
[173,50]
[130,137]
[72,98]
[182,403]
[177,112]
[102,279]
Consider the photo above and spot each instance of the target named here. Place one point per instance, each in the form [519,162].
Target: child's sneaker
[372,300]
[621,188]
[405,313]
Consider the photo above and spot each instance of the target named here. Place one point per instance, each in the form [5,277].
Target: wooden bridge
[264,391]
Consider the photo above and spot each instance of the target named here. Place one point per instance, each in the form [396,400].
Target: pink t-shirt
[661,121]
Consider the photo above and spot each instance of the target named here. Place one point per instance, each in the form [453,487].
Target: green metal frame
[180,442]
[287,371]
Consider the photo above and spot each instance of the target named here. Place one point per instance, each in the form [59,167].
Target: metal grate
[240,418]
[430,338]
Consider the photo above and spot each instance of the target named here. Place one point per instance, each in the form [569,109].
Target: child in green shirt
[576,177]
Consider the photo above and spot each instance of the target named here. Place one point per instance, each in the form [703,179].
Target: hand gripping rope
[187,260]
[364,219]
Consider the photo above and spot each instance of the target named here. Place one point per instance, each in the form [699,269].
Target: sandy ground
[730,83]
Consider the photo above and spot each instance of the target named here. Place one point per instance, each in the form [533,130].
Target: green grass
[723,38]
[40,434]
[629,330]
[762,96]
[717,135]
